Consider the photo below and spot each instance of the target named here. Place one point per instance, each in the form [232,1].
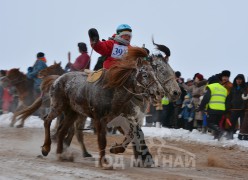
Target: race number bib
[118,51]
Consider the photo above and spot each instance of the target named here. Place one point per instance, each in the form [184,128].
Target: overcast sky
[205,36]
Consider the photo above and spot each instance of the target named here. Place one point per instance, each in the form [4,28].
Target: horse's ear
[55,62]
[166,58]
[59,63]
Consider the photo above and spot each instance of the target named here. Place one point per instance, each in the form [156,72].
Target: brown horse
[26,92]
[53,71]
[24,88]
[102,100]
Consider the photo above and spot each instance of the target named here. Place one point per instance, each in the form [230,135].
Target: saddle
[93,76]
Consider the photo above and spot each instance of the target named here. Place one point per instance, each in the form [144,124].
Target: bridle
[145,87]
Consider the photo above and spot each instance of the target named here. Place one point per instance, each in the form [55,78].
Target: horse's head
[54,69]
[13,73]
[15,76]
[147,82]
[165,73]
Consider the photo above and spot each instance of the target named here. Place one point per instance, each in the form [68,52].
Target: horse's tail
[45,86]
[25,113]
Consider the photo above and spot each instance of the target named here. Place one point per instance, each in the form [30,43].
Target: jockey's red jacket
[105,48]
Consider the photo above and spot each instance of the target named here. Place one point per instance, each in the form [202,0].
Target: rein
[140,85]
[136,94]
[168,79]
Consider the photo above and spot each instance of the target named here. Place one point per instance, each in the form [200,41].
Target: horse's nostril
[175,93]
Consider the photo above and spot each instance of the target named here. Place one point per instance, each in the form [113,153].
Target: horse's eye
[142,69]
[145,75]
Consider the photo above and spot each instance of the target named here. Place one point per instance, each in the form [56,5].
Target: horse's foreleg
[140,149]
[79,124]
[120,148]
[68,121]
[70,134]
[101,138]
[45,149]
[58,125]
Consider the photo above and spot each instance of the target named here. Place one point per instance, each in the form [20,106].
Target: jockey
[115,47]
[33,71]
[82,62]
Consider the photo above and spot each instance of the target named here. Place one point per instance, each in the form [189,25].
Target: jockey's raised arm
[115,47]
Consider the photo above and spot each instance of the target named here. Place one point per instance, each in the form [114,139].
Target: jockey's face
[126,37]
[225,79]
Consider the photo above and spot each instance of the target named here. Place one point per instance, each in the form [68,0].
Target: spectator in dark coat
[175,121]
[235,104]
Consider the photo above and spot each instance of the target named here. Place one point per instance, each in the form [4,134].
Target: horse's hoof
[117,149]
[44,151]
[86,154]
[19,126]
[107,167]
[65,157]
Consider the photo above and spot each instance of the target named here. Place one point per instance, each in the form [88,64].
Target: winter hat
[240,76]
[3,72]
[225,73]
[199,76]
[40,55]
[195,75]
[82,46]
[186,97]
[214,79]
[178,74]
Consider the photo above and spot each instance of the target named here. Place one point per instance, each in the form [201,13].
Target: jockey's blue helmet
[123,27]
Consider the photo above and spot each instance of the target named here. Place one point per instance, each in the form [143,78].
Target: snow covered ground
[170,134]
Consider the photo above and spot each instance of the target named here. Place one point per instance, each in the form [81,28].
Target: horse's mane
[47,82]
[119,72]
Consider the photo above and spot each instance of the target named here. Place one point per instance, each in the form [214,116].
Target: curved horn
[162,48]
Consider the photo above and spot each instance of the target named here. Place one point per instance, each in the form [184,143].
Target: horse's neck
[58,72]
[25,86]
[140,102]
[122,96]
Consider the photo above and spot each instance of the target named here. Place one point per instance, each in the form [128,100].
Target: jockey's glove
[30,69]
[93,34]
